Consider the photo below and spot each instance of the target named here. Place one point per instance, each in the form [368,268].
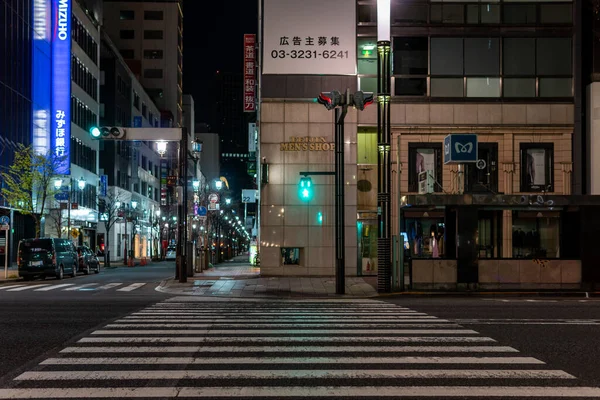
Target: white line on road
[53,287]
[268,348]
[9,286]
[294,374]
[20,289]
[109,286]
[289,326]
[131,287]
[300,339]
[287,331]
[179,322]
[303,391]
[283,316]
[289,360]
[85,285]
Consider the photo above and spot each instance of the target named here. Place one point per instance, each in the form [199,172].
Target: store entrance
[367,243]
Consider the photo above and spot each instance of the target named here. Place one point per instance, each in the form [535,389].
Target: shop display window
[536,234]
[537,167]
[425,157]
[290,256]
[426,237]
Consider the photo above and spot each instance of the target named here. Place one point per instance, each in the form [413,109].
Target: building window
[153,54]
[127,34]
[536,234]
[424,157]
[127,54]
[290,256]
[136,100]
[153,73]
[84,40]
[151,15]
[410,58]
[409,12]
[521,14]
[537,167]
[144,110]
[127,15]
[153,34]
[367,14]
[556,13]
[447,13]
[425,234]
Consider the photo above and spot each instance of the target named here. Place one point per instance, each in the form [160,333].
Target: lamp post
[133,220]
[157,213]
[383,145]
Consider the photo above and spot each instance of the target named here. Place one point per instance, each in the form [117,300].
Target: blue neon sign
[60,131]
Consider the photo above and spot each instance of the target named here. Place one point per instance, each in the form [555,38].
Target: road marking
[277,322]
[131,287]
[286,331]
[267,348]
[53,287]
[20,289]
[280,316]
[289,360]
[290,325]
[85,285]
[10,286]
[293,374]
[302,339]
[303,391]
[109,286]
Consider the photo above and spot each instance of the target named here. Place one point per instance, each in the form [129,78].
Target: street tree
[108,213]
[29,183]
[55,220]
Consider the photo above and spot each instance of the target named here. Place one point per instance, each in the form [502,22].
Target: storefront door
[367,243]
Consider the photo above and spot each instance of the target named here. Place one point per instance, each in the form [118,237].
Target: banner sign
[309,37]
[460,148]
[249,73]
[252,136]
[103,185]
[60,134]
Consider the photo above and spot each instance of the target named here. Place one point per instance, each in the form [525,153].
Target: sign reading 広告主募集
[60,117]
[309,37]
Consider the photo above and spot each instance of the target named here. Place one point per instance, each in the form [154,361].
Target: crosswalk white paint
[131,287]
[20,289]
[286,349]
[71,287]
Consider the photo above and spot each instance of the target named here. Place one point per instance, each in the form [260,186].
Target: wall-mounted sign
[213,198]
[249,72]
[307,143]
[252,136]
[460,148]
[60,134]
[248,195]
[309,37]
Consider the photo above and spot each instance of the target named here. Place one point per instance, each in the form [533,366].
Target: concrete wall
[530,274]
[593,137]
[286,220]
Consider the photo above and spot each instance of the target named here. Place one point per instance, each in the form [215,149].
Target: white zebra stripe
[294,374]
[109,286]
[54,287]
[85,285]
[289,360]
[268,348]
[285,331]
[131,287]
[303,391]
[20,289]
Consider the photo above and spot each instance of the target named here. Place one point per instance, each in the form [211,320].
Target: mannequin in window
[530,170]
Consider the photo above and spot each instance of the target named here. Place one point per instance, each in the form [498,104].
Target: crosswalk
[73,287]
[191,348]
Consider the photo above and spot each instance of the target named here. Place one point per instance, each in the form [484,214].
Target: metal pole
[10,246]
[399,209]
[69,210]
[340,267]
[125,252]
[6,252]
[184,223]
[384,167]
[258,127]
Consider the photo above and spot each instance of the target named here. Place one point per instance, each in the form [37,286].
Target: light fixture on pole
[161,148]
[81,183]
[219,184]
[196,184]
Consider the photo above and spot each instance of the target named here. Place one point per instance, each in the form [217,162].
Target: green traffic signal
[95,132]
[305,189]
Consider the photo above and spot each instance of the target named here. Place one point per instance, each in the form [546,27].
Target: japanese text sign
[249,72]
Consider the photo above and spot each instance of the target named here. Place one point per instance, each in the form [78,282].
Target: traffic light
[330,99]
[305,189]
[107,132]
[362,99]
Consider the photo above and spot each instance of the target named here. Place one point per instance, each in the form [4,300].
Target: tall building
[131,168]
[508,72]
[149,35]
[228,116]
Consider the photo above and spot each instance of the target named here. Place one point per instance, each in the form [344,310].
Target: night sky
[213,40]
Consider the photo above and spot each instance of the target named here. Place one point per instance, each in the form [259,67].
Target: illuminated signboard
[60,117]
[41,76]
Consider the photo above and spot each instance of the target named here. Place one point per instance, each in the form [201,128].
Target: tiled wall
[287,221]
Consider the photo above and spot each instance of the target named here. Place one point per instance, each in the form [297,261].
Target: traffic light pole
[340,261]
[182,208]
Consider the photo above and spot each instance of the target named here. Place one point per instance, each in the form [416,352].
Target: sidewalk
[238,278]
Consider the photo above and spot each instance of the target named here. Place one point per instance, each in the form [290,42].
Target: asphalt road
[38,322]
[563,332]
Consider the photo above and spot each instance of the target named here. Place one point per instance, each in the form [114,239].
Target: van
[46,257]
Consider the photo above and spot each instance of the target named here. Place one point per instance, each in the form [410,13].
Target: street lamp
[58,184]
[219,184]
[196,184]
[161,148]
[227,201]
[81,183]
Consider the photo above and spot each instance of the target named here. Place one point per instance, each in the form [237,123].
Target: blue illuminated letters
[60,133]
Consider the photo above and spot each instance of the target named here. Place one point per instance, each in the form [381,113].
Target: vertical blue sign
[137,122]
[60,127]
[103,185]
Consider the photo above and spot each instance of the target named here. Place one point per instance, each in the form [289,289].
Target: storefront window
[425,157]
[426,235]
[537,167]
[367,243]
[536,234]
[290,256]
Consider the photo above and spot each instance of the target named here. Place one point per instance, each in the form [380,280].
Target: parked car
[171,253]
[87,260]
[46,257]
